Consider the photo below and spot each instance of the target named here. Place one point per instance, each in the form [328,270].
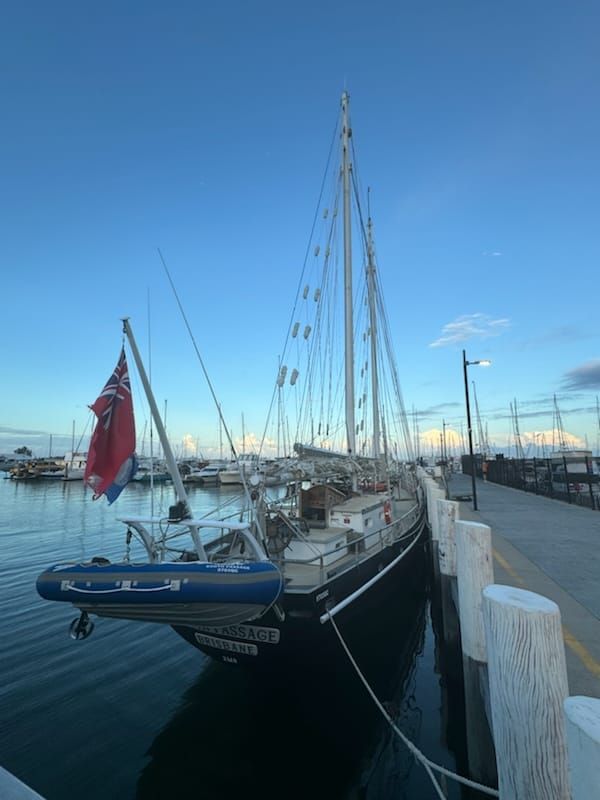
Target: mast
[598,431]
[220,434]
[483,445]
[348,316]
[162,434]
[373,326]
[559,427]
[517,433]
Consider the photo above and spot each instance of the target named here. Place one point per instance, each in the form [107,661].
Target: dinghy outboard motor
[81,627]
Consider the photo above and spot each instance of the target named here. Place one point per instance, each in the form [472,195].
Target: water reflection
[106,718]
[307,733]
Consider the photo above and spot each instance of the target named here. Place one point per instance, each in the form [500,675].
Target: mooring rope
[426,762]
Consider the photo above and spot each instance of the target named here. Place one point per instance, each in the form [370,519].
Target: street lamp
[482,363]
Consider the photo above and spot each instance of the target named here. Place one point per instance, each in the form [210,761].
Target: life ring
[387,512]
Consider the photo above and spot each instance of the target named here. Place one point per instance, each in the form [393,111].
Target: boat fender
[387,512]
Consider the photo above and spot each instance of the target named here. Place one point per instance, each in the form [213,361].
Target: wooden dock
[517,582]
[551,548]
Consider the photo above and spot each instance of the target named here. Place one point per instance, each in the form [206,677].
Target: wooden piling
[448,511]
[475,571]
[528,686]
[435,494]
[582,715]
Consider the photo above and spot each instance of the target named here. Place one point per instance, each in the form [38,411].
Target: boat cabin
[364,514]
[316,504]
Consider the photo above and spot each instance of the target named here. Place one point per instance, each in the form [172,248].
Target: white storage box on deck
[333,542]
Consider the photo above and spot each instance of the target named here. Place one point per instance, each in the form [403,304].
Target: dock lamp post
[482,363]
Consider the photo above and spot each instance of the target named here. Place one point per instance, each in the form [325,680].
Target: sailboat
[347,533]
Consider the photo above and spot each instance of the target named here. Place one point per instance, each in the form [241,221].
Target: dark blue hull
[273,640]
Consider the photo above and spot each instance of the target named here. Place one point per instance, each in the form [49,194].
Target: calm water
[135,712]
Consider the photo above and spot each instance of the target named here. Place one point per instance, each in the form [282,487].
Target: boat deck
[337,549]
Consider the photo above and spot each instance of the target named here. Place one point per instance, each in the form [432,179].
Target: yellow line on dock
[584,655]
[505,565]
[580,650]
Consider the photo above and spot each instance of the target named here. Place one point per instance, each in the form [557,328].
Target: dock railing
[571,478]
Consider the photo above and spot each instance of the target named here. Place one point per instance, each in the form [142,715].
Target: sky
[201,131]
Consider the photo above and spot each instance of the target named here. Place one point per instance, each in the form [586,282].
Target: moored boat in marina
[241,469]
[35,468]
[74,468]
[208,475]
[349,525]
[151,470]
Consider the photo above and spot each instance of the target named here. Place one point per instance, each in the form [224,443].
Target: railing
[568,478]
[373,542]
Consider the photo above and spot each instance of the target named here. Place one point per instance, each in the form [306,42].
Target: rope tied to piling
[430,766]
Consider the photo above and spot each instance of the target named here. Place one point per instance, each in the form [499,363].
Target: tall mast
[373,326]
[348,317]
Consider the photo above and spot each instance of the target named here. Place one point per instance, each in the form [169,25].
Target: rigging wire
[319,350]
[313,365]
[300,280]
[382,314]
[211,389]
[200,359]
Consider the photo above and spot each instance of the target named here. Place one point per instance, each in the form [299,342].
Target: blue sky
[202,129]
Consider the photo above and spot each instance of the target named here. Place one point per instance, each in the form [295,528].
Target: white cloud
[434,436]
[551,437]
[470,326]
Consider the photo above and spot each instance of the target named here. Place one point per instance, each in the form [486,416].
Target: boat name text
[253,633]
[225,644]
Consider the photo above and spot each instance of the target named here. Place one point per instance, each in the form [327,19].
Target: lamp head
[482,363]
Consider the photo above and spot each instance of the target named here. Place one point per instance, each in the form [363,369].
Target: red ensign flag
[111,462]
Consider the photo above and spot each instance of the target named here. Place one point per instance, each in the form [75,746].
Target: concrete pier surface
[552,548]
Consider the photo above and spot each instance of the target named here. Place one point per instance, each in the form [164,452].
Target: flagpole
[162,434]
